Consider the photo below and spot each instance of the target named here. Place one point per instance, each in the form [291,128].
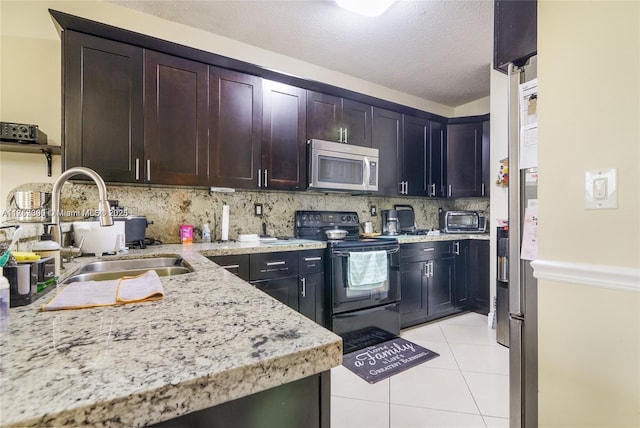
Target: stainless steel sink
[114,269]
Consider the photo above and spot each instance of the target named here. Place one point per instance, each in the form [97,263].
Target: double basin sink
[104,270]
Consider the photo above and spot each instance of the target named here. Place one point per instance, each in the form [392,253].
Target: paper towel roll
[225,223]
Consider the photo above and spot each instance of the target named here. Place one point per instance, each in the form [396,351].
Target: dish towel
[367,270]
[88,294]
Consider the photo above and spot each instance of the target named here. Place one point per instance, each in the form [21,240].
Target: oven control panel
[326,218]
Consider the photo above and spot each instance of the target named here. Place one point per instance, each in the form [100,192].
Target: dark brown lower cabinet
[302,403]
[479,275]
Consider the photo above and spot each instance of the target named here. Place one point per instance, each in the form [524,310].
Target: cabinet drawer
[425,251]
[273,265]
[311,261]
[236,264]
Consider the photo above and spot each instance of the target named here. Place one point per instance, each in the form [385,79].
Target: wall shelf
[47,151]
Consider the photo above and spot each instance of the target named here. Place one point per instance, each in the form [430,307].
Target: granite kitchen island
[213,339]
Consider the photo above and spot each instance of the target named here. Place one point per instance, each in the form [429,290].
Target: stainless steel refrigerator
[523,175]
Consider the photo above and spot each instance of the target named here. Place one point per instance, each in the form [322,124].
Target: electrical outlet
[257,210]
[373,210]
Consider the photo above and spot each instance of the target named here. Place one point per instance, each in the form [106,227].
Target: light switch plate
[600,189]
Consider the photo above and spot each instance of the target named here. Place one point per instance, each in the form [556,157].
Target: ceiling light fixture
[370,8]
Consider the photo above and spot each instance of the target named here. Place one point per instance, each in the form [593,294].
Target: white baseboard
[602,276]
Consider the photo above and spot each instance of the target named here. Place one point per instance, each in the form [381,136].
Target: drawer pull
[312,259]
[230,267]
[428,249]
[276,263]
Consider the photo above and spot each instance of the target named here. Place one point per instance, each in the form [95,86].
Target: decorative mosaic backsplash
[169,207]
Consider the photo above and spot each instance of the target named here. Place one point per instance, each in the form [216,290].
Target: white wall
[477,107]
[589,284]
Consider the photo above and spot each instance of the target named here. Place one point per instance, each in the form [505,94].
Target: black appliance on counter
[352,308]
[407,221]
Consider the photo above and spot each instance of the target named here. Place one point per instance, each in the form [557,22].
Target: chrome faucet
[104,216]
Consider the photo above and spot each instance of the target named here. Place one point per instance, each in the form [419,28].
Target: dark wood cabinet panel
[284,290]
[324,115]
[237,264]
[103,121]
[479,275]
[387,138]
[414,155]
[515,34]
[461,260]
[311,297]
[356,121]
[464,160]
[284,136]
[441,286]
[338,119]
[235,106]
[176,120]
[436,160]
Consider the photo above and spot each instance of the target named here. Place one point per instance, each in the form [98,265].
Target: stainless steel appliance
[353,303]
[390,222]
[523,305]
[335,166]
[502,286]
[463,222]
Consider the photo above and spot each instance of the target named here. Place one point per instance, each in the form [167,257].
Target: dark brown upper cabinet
[387,138]
[284,121]
[464,160]
[515,34]
[338,119]
[423,152]
[235,107]
[175,120]
[102,99]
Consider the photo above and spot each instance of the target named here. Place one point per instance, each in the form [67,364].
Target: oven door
[346,298]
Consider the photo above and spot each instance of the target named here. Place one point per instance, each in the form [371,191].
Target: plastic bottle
[4,303]
[206,233]
[47,247]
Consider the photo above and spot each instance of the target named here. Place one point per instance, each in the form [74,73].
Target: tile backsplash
[169,207]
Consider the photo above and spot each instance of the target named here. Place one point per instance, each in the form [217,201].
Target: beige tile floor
[466,386]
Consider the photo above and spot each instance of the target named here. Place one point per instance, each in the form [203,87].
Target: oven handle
[346,253]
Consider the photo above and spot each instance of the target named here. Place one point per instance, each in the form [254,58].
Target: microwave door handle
[367,173]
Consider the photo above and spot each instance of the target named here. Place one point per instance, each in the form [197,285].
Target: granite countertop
[212,339]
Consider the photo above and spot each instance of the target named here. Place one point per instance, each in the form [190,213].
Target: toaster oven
[463,222]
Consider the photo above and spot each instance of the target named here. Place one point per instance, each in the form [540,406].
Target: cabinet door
[464,160]
[103,120]
[441,286]
[283,289]
[479,275]
[175,118]
[461,259]
[324,114]
[413,287]
[311,297]
[237,264]
[235,105]
[387,138]
[486,158]
[436,160]
[356,121]
[283,139]
[414,155]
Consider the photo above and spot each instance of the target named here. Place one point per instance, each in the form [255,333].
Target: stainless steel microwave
[463,222]
[336,166]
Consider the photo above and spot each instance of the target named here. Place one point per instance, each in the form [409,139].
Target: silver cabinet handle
[259,178]
[449,189]
[346,136]
[428,249]
[280,263]
[148,169]
[456,248]
[304,287]
[312,259]
[433,189]
[230,267]
[430,269]
[265,178]
[482,189]
[340,139]
[137,169]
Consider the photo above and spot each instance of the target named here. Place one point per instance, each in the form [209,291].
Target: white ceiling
[438,50]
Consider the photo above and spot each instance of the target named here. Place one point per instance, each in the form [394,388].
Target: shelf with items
[47,151]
